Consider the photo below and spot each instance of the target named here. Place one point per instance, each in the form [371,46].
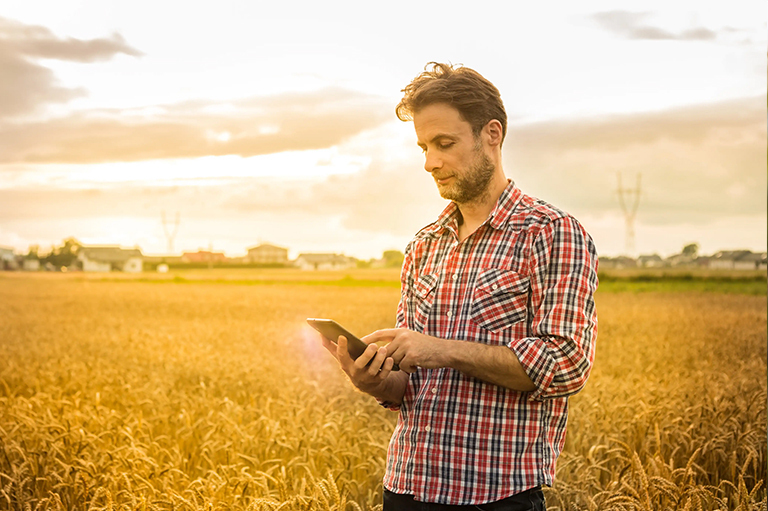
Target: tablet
[332,330]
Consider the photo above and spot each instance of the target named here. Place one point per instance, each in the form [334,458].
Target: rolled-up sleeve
[559,354]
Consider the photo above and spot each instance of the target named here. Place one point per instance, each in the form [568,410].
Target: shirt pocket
[500,299]
[421,298]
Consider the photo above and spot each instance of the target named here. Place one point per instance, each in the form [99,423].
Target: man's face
[454,157]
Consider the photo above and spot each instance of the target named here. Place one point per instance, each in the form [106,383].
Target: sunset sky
[274,122]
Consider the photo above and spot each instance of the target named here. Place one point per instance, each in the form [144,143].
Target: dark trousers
[529,500]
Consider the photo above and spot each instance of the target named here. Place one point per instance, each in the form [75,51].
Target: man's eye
[446,146]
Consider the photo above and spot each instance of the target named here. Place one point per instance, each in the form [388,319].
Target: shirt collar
[504,208]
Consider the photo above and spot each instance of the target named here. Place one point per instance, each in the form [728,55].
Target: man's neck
[474,213]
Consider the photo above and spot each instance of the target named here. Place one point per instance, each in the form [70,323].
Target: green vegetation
[615,281]
[671,281]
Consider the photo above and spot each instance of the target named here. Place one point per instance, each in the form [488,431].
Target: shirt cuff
[536,362]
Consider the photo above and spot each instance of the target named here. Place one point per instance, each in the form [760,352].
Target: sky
[256,122]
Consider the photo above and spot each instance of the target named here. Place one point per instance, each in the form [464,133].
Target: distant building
[325,262]
[31,264]
[738,260]
[107,258]
[267,254]
[680,260]
[203,256]
[702,261]
[161,259]
[8,259]
[650,261]
[616,263]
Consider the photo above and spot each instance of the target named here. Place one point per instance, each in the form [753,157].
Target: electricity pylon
[629,207]
[170,235]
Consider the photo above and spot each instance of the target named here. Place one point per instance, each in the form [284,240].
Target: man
[496,324]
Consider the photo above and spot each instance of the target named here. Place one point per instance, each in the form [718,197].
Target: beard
[473,185]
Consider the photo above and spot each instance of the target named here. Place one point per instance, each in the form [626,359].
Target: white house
[738,260]
[7,259]
[110,257]
[31,264]
[324,262]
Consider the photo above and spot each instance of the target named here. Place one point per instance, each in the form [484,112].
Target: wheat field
[214,395]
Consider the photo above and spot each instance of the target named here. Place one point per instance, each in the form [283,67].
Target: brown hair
[477,100]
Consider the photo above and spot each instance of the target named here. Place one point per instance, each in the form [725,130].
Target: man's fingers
[376,365]
[342,352]
[380,335]
[346,359]
[386,368]
[407,366]
[366,359]
[329,345]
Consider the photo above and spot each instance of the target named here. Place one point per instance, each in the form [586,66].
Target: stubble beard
[474,185]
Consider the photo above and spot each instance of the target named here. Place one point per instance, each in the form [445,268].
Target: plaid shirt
[525,279]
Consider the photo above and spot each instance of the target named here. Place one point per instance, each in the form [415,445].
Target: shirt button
[449,314]
[495,286]
[427,429]
[434,390]
[455,276]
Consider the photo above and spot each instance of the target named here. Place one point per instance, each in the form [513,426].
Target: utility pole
[629,206]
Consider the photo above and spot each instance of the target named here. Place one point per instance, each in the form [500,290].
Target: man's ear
[494,132]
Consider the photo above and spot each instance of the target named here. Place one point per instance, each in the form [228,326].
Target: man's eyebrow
[437,138]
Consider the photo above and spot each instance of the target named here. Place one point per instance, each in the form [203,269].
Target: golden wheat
[205,396]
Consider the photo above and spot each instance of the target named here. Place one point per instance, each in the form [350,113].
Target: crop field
[193,392]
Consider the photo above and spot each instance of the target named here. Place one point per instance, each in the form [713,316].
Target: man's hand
[411,350]
[369,371]
[493,364]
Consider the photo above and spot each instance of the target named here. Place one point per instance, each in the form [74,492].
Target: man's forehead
[439,118]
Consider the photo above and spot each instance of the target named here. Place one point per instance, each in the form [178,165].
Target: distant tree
[33,252]
[393,258]
[64,255]
[691,250]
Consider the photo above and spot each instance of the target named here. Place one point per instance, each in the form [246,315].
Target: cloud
[39,42]
[394,199]
[247,127]
[26,85]
[631,26]
[702,167]
[253,126]
[698,163]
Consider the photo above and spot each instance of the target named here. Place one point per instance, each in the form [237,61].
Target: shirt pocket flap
[497,282]
[500,299]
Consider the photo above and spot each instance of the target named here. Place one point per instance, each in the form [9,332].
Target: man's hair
[477,100]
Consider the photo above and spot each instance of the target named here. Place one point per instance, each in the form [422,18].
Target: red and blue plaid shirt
[525,279]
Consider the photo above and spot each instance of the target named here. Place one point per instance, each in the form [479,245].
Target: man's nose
[432,162]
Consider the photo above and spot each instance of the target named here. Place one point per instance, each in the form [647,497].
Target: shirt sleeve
[401,322]
[406,281]
[558,357]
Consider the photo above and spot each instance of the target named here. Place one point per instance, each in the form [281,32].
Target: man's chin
[446,192]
